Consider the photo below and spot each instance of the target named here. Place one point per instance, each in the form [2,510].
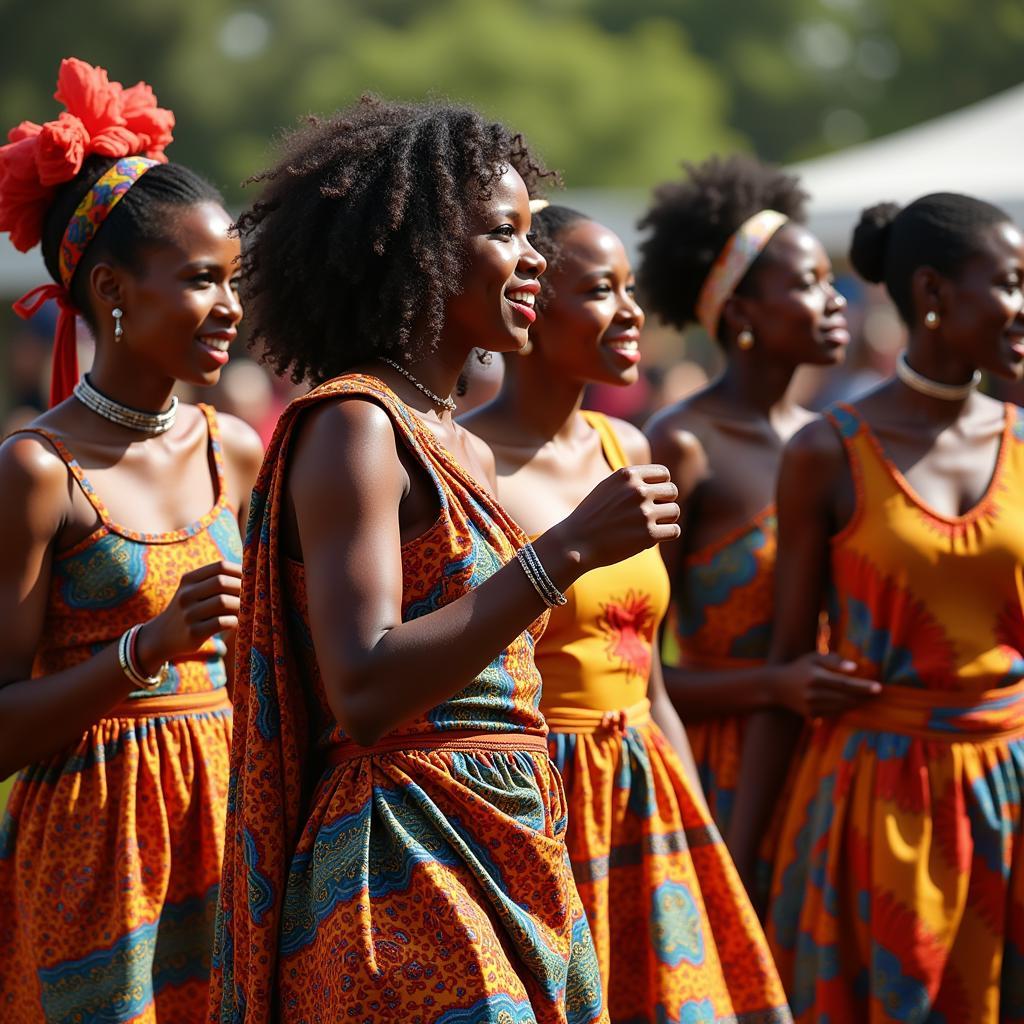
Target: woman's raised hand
[629,511]
[206,602]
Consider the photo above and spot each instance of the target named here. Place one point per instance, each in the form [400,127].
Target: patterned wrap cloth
[425,879]
[676,937]
[899,890]
[110,850]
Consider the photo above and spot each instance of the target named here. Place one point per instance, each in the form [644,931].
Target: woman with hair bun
[899,887]
[396,846]
[727,249]
[676,936]
[119,574]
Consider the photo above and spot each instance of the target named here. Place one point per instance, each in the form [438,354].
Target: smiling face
[494,307]
[791,304]
[589,329]
[982,315]
[181,307]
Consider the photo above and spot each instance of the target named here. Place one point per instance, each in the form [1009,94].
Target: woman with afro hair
[899,883]
[655,878]
[396,847]
[727,249]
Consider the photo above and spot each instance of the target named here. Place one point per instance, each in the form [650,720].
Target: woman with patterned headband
[119,573]
[899,883]
[676,936]
[727,249]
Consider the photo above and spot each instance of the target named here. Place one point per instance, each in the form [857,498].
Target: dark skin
[548,458]
[178,303]
[353,497]
[946,452]
[723,448]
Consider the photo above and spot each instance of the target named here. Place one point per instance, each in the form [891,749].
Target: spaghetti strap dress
[423,880]
[110,850]
[899,889]
[676,937]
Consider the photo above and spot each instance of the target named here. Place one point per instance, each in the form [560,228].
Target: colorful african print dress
[721,618]
[899,889]
[675,934]
[424,879]
[110,851]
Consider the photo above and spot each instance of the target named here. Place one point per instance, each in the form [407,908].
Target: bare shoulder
[635,445]
[241,443]
[815,450]
[675,441]
[34,482]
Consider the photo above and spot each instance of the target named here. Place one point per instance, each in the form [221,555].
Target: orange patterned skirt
[109,867]
[676,937]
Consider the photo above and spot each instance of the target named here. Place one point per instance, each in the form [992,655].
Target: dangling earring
[526,349]
[117,313]
[745,339]
[931,320]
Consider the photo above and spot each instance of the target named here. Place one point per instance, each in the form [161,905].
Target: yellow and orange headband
[745,244]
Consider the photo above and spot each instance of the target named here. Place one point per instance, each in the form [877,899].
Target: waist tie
[586,720]
[950,717]
[172,704]
[453,739]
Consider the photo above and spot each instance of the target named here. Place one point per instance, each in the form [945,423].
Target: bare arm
[39,717]
[813,465]
[346,483]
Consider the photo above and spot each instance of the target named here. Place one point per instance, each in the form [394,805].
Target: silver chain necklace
[151,423]
[932,388]
[445,403]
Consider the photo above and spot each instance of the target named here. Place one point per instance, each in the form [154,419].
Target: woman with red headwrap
[119,574]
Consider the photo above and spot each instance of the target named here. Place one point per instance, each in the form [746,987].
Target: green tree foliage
[604,107]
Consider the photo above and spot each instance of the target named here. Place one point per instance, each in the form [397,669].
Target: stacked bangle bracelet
[541,581]
[130,665]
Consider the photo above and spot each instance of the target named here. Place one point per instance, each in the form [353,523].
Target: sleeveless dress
[899,890]
[676,937]
[110,850]
[421,880]
[720,619]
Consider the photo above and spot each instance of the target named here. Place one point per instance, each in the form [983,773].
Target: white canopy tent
[978,150]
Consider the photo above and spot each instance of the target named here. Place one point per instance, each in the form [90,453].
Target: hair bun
[870,241]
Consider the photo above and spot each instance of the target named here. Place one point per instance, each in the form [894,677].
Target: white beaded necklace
[151,423]
[933,388]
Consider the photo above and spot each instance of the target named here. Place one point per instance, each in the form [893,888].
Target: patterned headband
[94,209]
[743,247]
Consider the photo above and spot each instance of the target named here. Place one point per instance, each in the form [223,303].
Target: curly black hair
[144,216]
[941,230]
[691,220]
[354,246]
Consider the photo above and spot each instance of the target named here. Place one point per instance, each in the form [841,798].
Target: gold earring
[745,339]
[931,319]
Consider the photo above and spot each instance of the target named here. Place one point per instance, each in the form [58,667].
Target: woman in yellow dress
[676,937]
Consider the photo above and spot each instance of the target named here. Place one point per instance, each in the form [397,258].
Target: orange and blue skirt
[899,890]
[676,937]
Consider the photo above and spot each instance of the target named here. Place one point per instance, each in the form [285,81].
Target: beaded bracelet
[129,663]
[538,577]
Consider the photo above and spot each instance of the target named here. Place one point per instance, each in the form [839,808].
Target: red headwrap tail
[64,375]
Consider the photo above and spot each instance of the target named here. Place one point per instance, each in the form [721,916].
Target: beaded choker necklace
[444,403]
[933,388]
[152,423]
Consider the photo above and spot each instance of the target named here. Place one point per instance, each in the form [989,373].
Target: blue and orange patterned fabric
[424,879]
[721,618]
[110,850]
[675,934]
[899,889]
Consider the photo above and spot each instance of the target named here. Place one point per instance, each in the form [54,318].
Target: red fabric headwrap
[64,375]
